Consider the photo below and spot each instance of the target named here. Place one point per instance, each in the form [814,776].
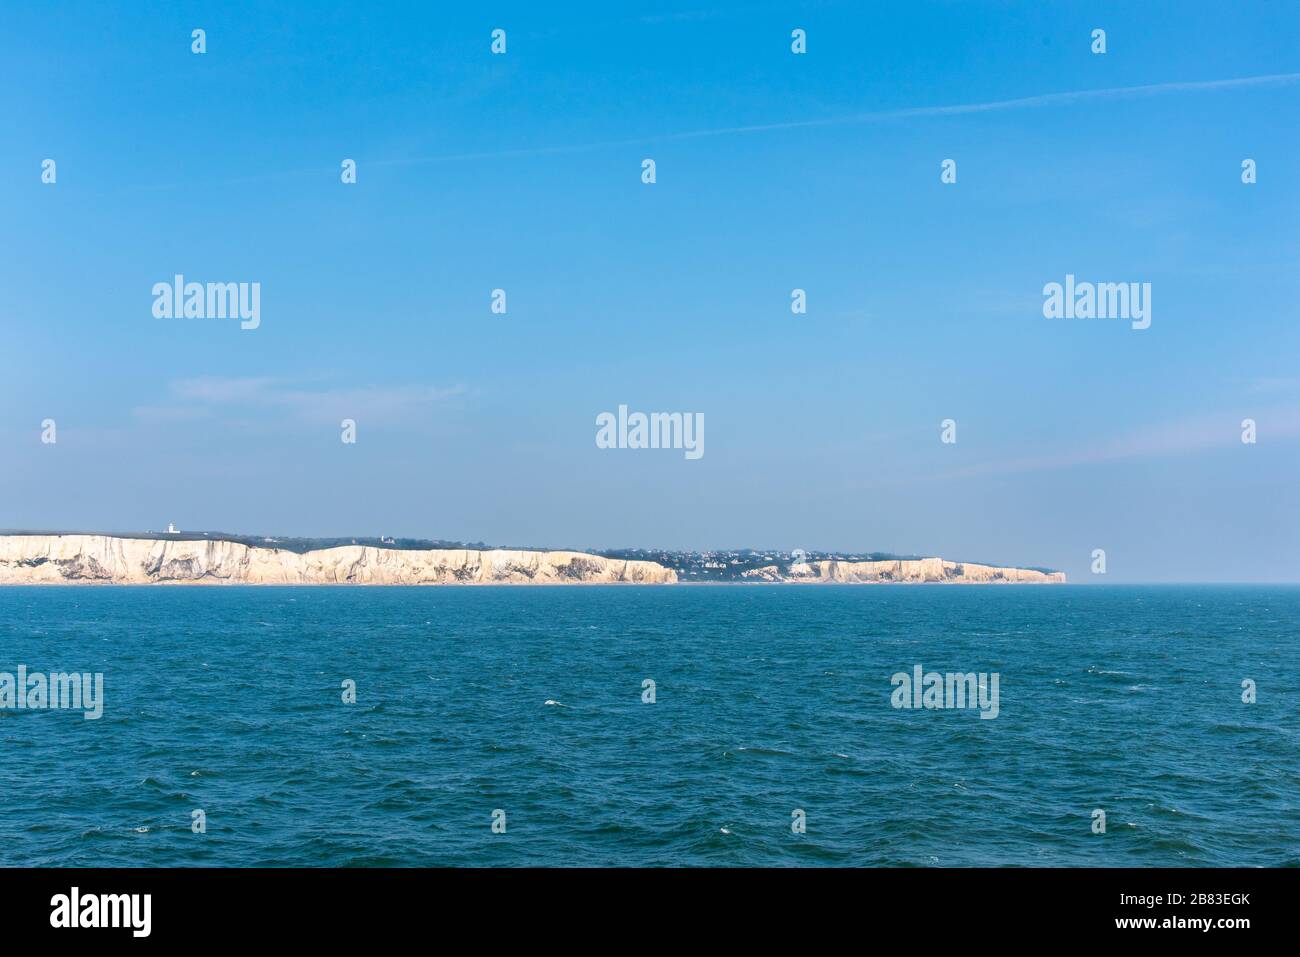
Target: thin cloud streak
[1176,438]
[915,112]
[202,397]
[958,109]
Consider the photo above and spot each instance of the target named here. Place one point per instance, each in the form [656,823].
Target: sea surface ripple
[768,699]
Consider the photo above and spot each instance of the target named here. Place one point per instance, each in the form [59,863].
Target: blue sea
[768,700]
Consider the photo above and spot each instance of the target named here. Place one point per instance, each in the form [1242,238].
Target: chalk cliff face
[108,559]
[918,570]
[86,559]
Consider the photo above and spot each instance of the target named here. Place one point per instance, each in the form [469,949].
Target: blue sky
[774,172]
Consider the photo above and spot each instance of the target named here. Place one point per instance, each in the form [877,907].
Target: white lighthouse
[172,529]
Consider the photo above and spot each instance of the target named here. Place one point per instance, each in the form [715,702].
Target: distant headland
[175,557]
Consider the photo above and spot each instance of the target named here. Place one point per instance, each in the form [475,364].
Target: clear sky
[775,171]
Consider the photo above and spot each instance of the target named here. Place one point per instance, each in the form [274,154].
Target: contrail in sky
[958,109]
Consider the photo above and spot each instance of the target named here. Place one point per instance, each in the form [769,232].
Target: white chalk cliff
[87,559]
[904,570]
[110,559]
